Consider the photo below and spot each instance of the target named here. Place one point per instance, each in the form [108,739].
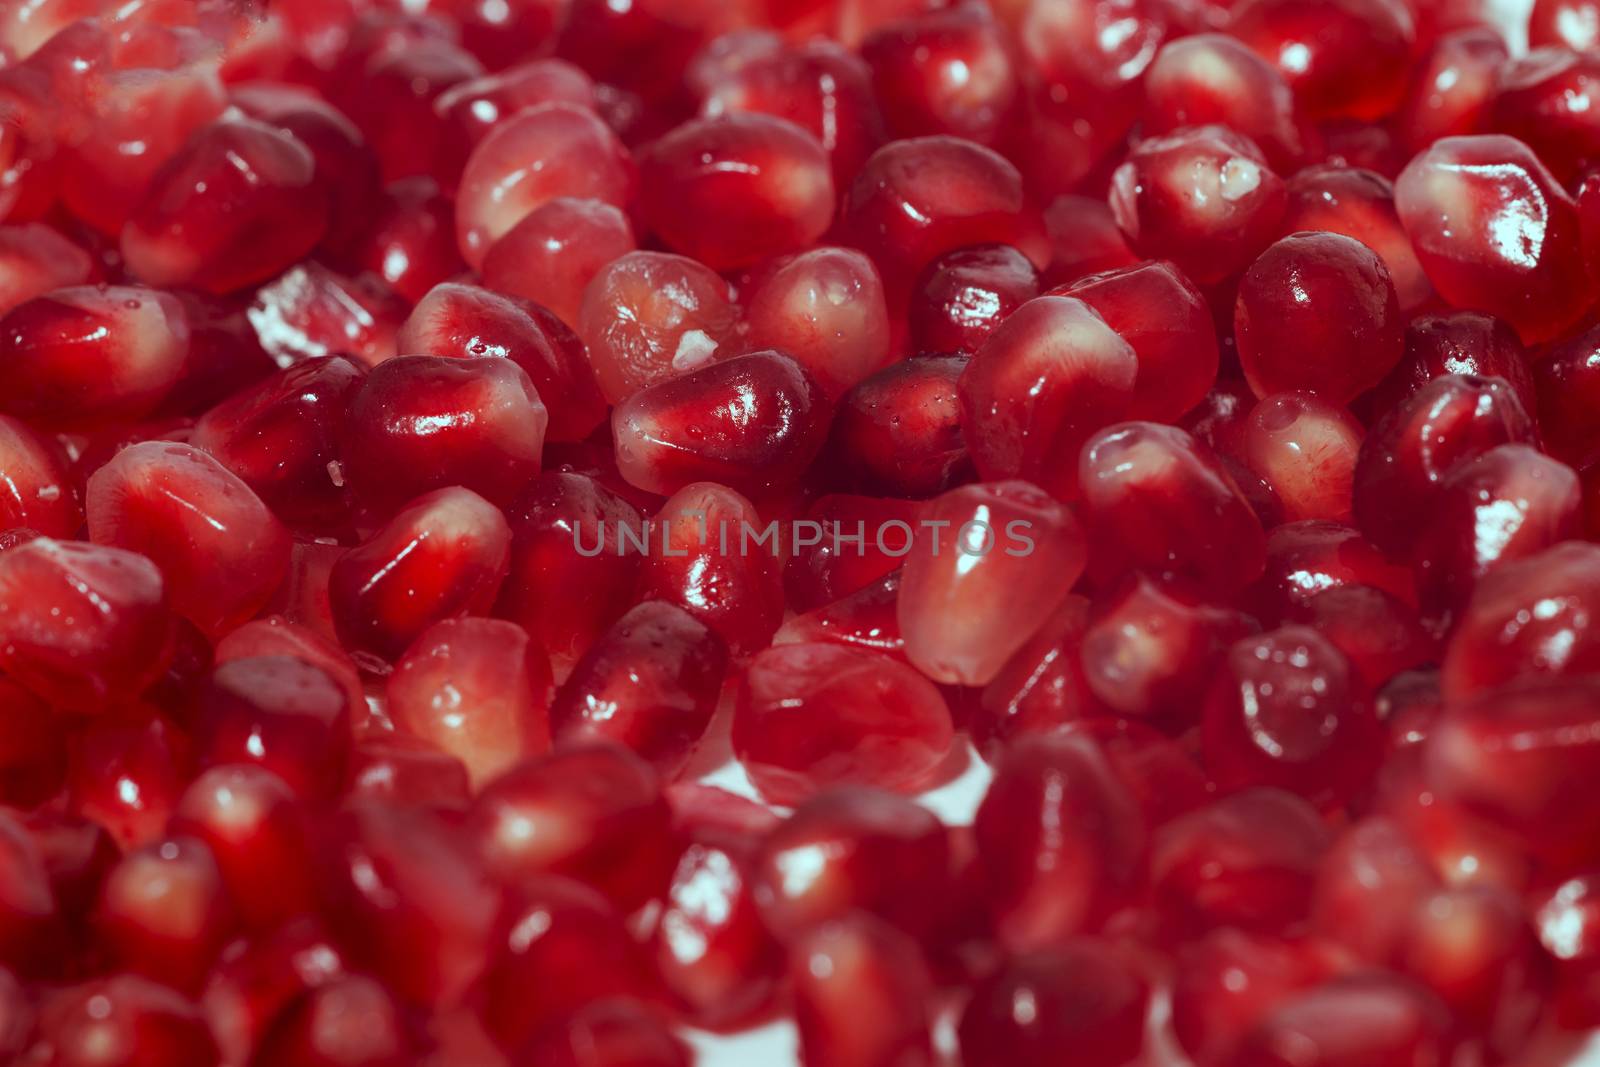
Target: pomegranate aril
[1379,635]
[1227,981]
[276,636]
[1539,100]
[36,259]
[398,770]
[234,207]
[445,554]
[948,71]
[899,431]
[477,689]
[1213,78]
[1573,23]
[618,1032]
[551,255]
[129,775]
[84,357]
[474,108]
[963,295]
[825,308]
[350,1021]
[1343,59]
[311,311]
[1453,87]
[866,618]
[1142,482]
[1203,197]
[124,1021]
[1082,994]
[1043,684]
[1084,239]
[648,316]
[410,243]
[844,544]
[753,423]
[38,490]
[165,912]
[1367,1020]
[197,521]
[1459,199]
[1358,204]
[1305,448]
[392,97]
[862,996]
[285,714]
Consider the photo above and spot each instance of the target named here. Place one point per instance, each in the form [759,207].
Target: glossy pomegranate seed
[1369,885]
[530,159]
[277,636]
[311,311]
[1060,841]
[444,555]
[1565,382]
[916,199]
[607,1033]
[1142,482]
[1453,87]
[1017,427]
[1202,197]
[551,255]
[82,626]
[215,214]
[1248,860]
[38,260]
[650,682]
[707,556]
[1150,646]
[826,309]
[754,422]
[648,316]
[84,357]
[1347,59]
[1380,635]
[864,619]
[1285,711]
[1084,239]
[126,1021]
[899,431]
[945,72]
[560,946]
[1495,232]
[1081,994]
[258,833]
[843,967]
[127,774]
[195,520]
[285,714]
[1212,78]
[38,492]
[1305,448]
[1537,101]
[165,912]
[1358,204]
[963,295]
[399,770]
[850,543]
[1448,421]
[1573,23]
[350,1020]
[1229,980]
[474,108]
[411,242]
[477,689]
[474,423]
[1042,686]
[392,96]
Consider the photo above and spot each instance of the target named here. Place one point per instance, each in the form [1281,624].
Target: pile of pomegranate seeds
[799,533]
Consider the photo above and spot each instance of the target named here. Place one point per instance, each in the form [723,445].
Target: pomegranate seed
[1535,101]
[127,775]
[445,554]
[754,422]
[37,260]
[478,690]
[607,1033]
[1229,980]
[124,1021]
[1459,198]
[276,636]
[310,311]
[1374,1020]
[1379,635]
[1084,239]
[410,243]
[475,107]
[1368,887]
[85,357]
[858,963]
[899,431]
[593,812]
[393,97]
[350,1020]
[1343,59]
[1565,383]
[1050,376]
[399,770]
[1248,860]
[1202,197]
[1305,447]
[1042,686]
[1081,994]
[852,849]
[866,619]
[1060,840]
[963,295]
[560,947]
[1358,204]
[195,520]
[38,492]
[551,255]
[825,308]
[1573,23]
[944,72]
[82,626]
[831,563]
[285,714]
[530,159]
[466,322]
[214,216]
[651,682]
[1142,482]
[705,556]
[1453,87]
[1211,78]
[165,912]
[648,316]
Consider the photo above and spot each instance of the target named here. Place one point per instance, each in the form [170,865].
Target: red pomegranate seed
[197,522]
[551,255]
[1453,87]
[258,832]
[648,316]
[475,107]
[1081,994]
[235,206]
[37,259]
[1379,635]
[1211,78]
[165,912]
[753,423]
[1537,100]
[706,555]
[1202,197]
[1368,887]
[1347,59]
[825,308]
[38,490]
[276,636]
[1248,860]
[1370,1020]
[1042,686]
[899,431]
[1060,841]
[1359,204]
[1305,448]
[82,626]
[310,311]
[944,72]
[1573,23]
[530,159]
[1084,239]
[398,770]
[606,1033]
[853,849]
[591,812]
[560,946]
[392,96]
[1227,981]
[476,689]
[1143,483]
[862,996]
[445,554]
[348,1021]
[285,714]
[1566,383]
[963,295]
[866,619]
[411,241]
[126,1021]
[847,547]
[1495,232]
[128,775]
[650,682]
[85,357]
